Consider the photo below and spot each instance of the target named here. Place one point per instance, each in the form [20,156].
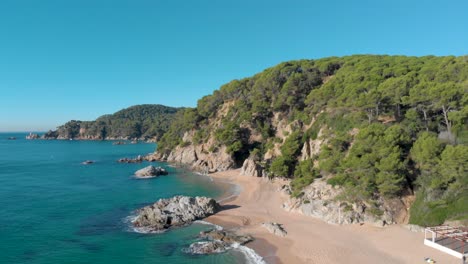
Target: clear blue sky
[79,59]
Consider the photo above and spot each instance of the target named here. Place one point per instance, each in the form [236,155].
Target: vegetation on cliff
[140,121]
[392,126]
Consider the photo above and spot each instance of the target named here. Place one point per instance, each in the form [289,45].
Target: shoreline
[311,240]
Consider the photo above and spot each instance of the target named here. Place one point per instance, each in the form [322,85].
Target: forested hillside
[386,127]
[140,121]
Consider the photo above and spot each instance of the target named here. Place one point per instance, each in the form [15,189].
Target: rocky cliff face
[312,148]
[199,158]
[320,200]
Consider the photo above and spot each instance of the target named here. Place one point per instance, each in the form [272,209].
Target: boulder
[150,172]
[251,168]
[176,211]
[275,228]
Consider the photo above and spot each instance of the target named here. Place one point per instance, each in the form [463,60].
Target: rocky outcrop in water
[173,212]
[32,136]
[150,171]
[138,159]
[275,228]
[218,241]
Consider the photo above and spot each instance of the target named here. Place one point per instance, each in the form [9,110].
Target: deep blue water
[53,209]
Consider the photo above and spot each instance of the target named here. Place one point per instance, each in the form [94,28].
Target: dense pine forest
[393,125]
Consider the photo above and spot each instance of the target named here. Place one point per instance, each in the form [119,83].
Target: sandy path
[311,240]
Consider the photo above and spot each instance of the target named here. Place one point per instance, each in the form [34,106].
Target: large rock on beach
[252,168]
[173,212]
[275,228]
[150,172]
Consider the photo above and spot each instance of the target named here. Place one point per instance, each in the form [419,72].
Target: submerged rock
[275,228]
[119,143]
[150,172]
[176,211]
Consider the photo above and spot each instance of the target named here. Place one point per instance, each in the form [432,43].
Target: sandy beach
[311,240]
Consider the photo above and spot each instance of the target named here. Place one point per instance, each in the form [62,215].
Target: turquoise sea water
[55,210]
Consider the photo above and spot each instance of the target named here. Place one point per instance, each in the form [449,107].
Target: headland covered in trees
[389,131]
[136,122]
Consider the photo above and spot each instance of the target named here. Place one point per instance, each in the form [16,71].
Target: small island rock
[32,136]
[150,172]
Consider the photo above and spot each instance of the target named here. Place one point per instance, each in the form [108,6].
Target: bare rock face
[275,228]
[218,241]
[319,200]
[199,158]
[312,148]
[150,171]
[173,212]
[252,168]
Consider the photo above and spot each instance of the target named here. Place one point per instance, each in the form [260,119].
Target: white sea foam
[236,190]
[217,227]
[251,256]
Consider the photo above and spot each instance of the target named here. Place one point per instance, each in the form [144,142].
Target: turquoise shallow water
[55,210]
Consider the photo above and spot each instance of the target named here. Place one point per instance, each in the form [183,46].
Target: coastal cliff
[365,136]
